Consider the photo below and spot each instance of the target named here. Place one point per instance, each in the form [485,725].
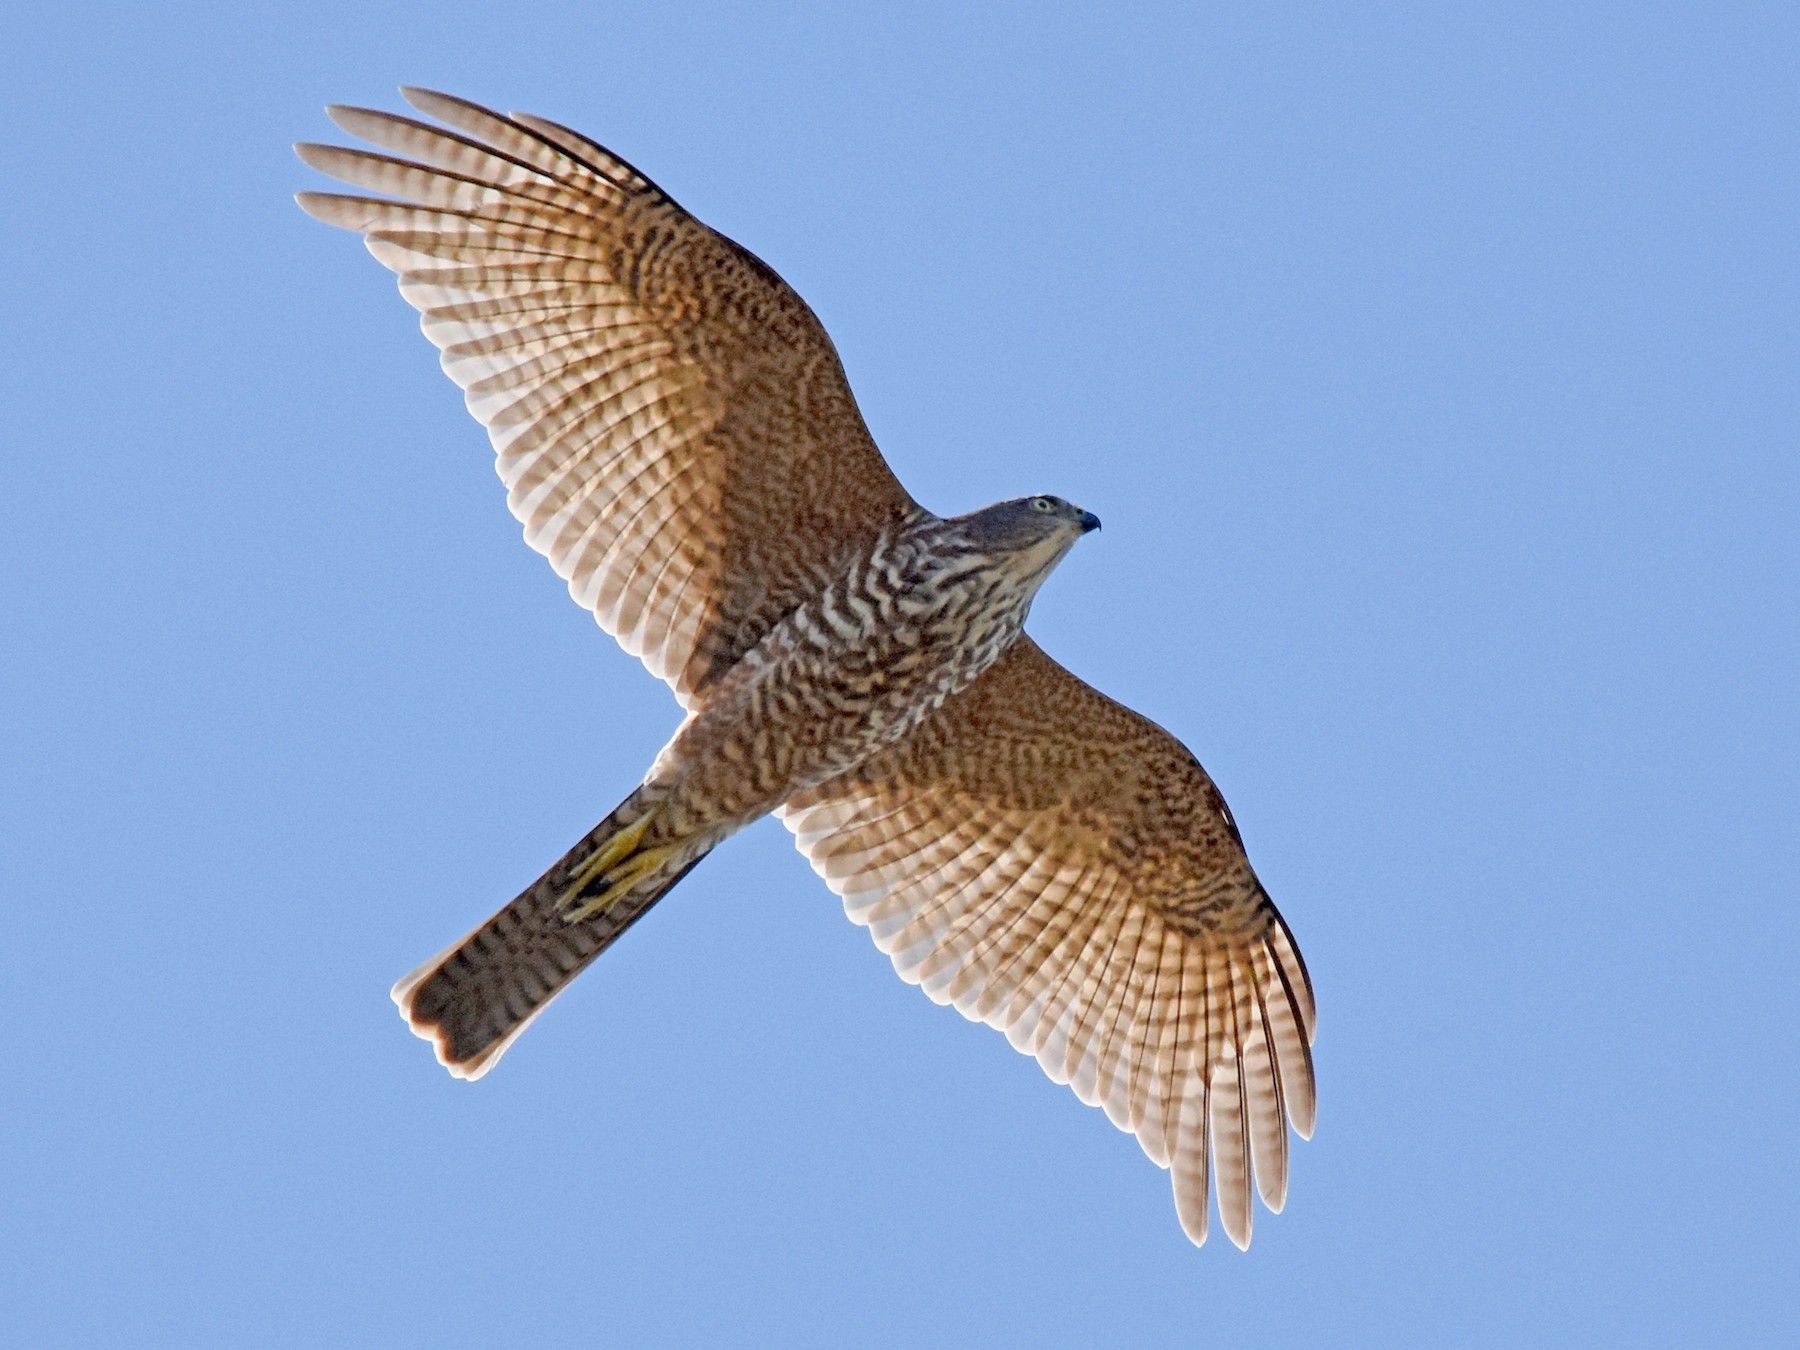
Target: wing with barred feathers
[672,423]
[1062,869]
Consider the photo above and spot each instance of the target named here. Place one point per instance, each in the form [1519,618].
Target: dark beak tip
[1089,522]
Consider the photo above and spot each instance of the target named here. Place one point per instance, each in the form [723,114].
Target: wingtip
[1196,1226]
[1239,1226]
[343,113]
[334,208]
[310,203]
[1275,1197]
[310,153]
[434,102]
[1196,1235]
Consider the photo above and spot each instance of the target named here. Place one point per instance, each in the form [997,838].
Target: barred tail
[473,1000]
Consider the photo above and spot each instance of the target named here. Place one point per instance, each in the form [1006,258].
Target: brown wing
[672,423]
[1062,869]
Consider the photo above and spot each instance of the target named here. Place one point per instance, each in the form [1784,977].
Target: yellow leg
[611,852]
[634,870]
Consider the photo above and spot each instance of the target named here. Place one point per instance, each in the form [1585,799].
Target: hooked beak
[1089,522]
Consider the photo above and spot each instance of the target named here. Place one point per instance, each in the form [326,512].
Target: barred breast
[847,673]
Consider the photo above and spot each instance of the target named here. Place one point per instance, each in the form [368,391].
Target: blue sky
[1434,371]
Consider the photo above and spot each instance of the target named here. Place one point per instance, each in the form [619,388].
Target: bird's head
[1030,534]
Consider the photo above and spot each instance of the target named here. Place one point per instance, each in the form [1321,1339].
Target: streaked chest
[861,664]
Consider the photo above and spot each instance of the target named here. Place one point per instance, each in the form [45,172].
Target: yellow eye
[1042,504]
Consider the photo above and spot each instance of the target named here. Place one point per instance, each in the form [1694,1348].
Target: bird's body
[677,437]
[848,672]
[853,668]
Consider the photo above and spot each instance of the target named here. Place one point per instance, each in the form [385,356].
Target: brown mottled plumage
[677,436]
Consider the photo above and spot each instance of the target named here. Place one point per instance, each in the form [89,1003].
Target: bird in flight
[677,436]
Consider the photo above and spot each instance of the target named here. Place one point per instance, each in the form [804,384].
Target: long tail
[473,1000]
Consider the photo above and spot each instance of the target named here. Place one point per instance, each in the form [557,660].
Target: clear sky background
[1434,369]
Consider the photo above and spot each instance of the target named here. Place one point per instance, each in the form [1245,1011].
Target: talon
[611,853]
[635,870]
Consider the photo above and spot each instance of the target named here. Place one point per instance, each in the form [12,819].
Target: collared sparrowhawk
[677,436]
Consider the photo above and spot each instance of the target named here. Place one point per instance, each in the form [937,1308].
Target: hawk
[677,436]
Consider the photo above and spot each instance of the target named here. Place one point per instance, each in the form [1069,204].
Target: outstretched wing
[672,423]
[1062,869]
